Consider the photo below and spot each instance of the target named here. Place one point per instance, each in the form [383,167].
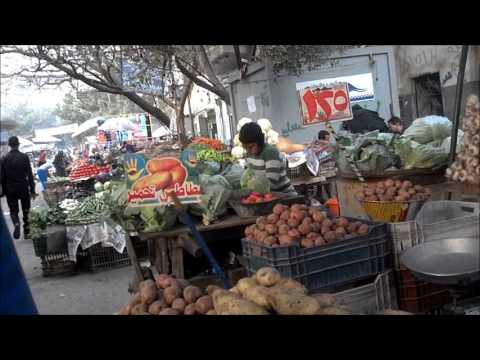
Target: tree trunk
[145,105]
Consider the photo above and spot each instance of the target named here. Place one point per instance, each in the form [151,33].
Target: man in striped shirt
[264,158]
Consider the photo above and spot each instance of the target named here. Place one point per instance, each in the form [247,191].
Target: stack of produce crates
[328,267]
[436,220]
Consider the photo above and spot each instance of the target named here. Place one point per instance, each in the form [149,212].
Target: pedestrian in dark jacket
[365,121]
[17,184]
[60,162]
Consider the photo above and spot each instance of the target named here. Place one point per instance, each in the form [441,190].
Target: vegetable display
[256,198]
[214,144]
[212,155]
[168,296]
[302,225]
[393,190]
[87,171]
[89,211]
[466,167]
[267,293]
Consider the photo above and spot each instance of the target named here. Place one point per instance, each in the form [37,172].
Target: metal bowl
[446,262]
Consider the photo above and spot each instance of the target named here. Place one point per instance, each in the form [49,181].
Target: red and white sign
[324,102]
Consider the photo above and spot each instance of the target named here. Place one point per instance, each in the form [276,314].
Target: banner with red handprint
[151,181]
[324,102]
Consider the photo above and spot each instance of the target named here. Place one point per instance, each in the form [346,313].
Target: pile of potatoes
[393,190]
[168,296]
[267,293]
[302,225]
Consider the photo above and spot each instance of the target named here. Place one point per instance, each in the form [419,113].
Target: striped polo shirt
[270,163]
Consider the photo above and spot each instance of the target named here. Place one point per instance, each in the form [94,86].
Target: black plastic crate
[40,245]
[59,263]
[104,258]
[325,267]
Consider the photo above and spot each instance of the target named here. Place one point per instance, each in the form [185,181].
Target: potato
[261,220]
[156,307]
[245,283]
[324,230]
[336,310]
[261,226]
[125,309]
[286,301]
[271,229]
[330,237]
[304,229]
[297,207]
[261,236]
[139,308]
[406,185]
[170,295]
[318,216]
[240,307]
[315,227]
[160,279]
[278,209]
[283,229]
[273,218]
[285,240]
[363,230]
[340,233]
[212,312]
[190,310]
[267,276]
[221,296]
[270,240]
[285,215]
[191,294]
[389,183]
[327,223]
[169,311]
[341,221]
[380,191]
[360,196]
[291,284]
[258,295]
[182,283]
[391,192]
[319,240]
[326,300]
[293,223]
[307,243]
[412,192]
[294,234]
[211,288]
[135,299]
[352,228]
[204,304]
[311,235]
[148,291]
[179,304]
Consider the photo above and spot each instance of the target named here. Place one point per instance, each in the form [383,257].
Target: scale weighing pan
[445,262]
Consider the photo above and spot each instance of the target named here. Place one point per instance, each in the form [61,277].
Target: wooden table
[168,246]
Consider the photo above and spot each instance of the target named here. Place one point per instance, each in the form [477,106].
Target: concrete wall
[416,60]
[276,97]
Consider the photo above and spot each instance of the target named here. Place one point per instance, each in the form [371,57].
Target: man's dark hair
[251,133]
[13,141]
[395,121]
[322,134]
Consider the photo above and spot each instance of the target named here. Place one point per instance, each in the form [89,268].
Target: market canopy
[45,139]
[161,131]
[118,124]
[88,125]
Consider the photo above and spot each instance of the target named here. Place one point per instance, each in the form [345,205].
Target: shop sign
[324,101]
[150,181]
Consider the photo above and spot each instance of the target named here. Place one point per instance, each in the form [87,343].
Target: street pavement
[83,294]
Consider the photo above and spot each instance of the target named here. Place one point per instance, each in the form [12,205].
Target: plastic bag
[216,192]
[427,129]
[233,174]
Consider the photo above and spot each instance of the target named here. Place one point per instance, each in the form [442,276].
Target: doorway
[428,95]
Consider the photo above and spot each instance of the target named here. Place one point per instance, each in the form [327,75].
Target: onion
[462,175]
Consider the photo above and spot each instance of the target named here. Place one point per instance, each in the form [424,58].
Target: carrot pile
[212,143]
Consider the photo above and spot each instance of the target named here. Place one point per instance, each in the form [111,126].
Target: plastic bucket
[392,211]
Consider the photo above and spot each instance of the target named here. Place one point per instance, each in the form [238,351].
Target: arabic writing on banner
[150,181]
[324,102]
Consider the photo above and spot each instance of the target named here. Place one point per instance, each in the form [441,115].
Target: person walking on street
[42,158]
[60,162]
[17,185]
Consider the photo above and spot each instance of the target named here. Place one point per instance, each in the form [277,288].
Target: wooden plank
[226,222]
[176,254]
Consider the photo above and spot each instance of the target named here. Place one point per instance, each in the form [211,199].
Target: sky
[12,91]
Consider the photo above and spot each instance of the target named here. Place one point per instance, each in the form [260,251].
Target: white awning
[87,125]
[45,139]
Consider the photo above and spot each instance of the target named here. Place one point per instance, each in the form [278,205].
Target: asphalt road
[93,294]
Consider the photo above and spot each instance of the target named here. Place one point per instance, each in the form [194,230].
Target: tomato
[269,197]
[256,194]
[258,200]
[244,201]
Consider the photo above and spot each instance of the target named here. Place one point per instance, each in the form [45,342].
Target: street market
[332,222]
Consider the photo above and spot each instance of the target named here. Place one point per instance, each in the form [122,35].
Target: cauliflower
[272,137]
[242,122]
[236,140]
[238,152]
[265,124]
